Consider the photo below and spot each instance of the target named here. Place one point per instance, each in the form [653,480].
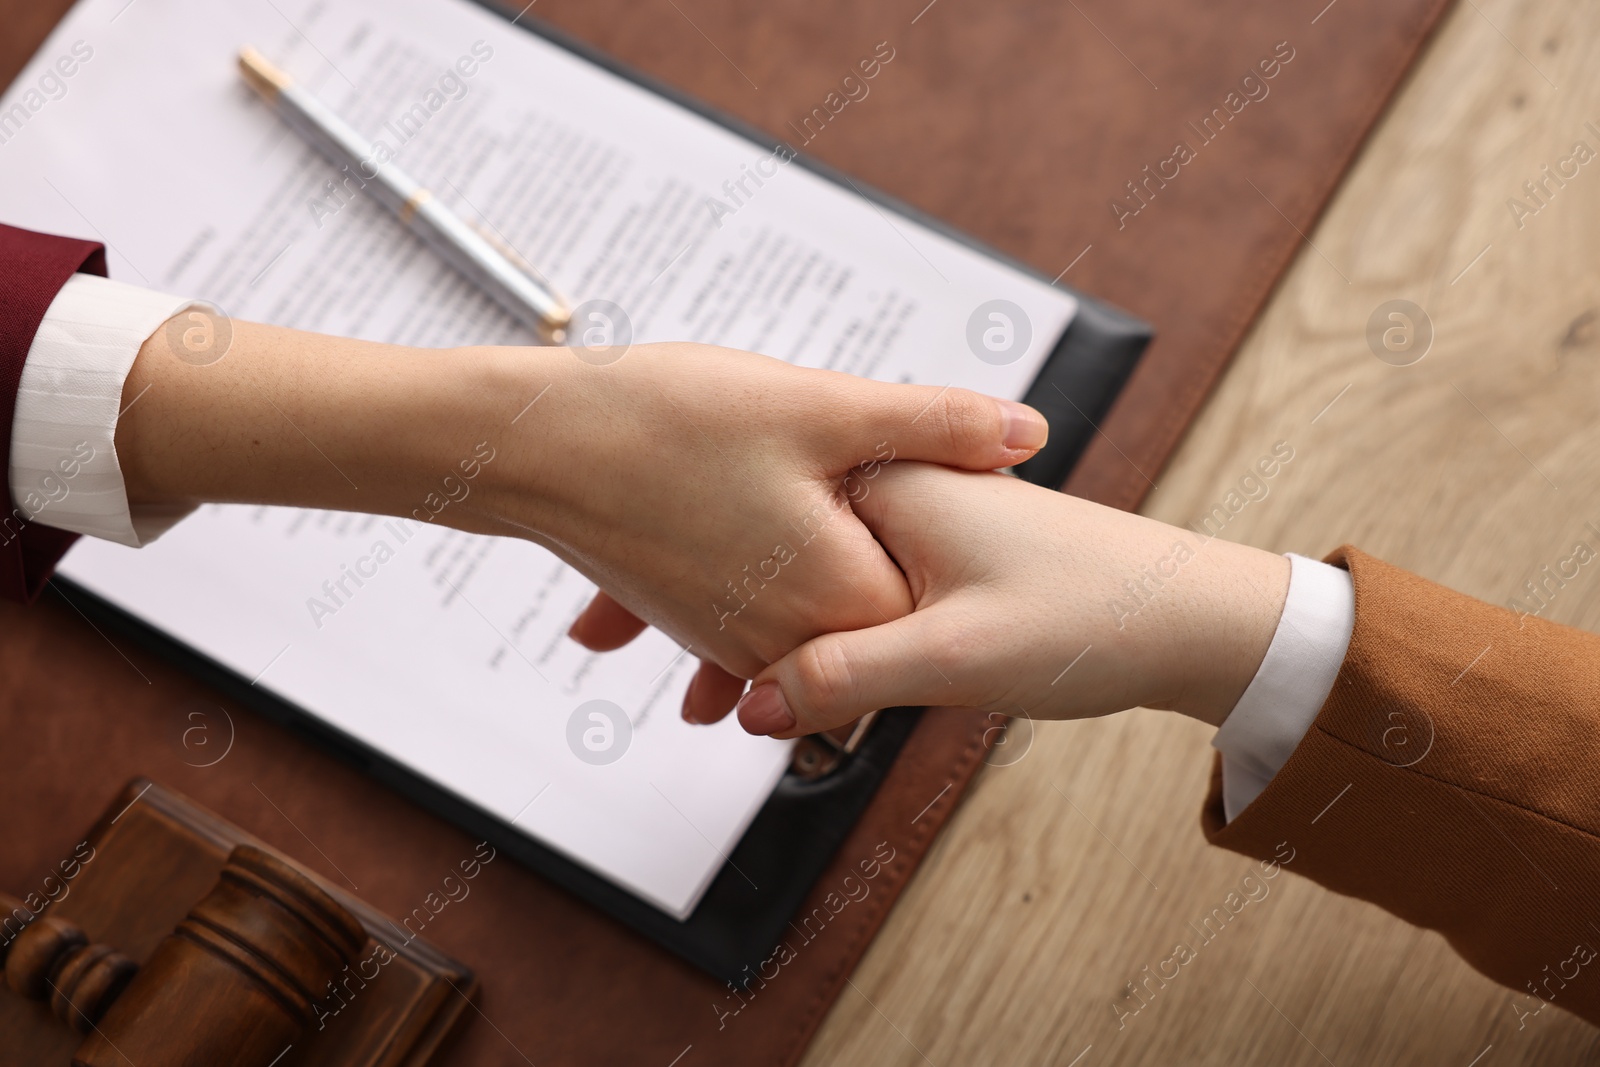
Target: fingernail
[1025,427]
[688,696]
[763,710]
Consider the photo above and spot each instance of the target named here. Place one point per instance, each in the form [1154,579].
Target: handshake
[847,544]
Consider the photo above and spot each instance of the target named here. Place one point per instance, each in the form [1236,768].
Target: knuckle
[968,419]
[948,652]
[827,676]
[950,648]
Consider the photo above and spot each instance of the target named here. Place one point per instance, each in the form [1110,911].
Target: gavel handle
[238,981]
[47,958]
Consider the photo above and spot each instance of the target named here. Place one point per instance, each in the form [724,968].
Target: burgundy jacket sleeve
[33,268]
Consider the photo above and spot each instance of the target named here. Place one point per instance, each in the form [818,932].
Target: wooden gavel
[236,982]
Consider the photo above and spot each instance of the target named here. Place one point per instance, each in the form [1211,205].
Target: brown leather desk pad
[1019,121]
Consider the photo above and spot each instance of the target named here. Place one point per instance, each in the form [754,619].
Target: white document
[447,652]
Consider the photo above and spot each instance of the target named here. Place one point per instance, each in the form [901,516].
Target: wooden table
[1066,873]
[1074,867]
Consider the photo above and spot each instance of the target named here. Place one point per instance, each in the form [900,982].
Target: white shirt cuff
[1292,683]
[64,469]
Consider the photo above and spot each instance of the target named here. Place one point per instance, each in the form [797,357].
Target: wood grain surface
[1068,872]
[1077,860]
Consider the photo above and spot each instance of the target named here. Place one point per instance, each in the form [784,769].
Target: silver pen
[478,254]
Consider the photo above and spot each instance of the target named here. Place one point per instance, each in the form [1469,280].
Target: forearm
[307,420]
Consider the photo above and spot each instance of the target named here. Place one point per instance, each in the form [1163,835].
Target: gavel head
[236,982]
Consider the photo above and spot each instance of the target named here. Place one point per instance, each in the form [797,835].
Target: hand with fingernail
[715,498]
[1023,605]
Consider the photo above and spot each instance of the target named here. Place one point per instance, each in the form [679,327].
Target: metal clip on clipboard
[819,755]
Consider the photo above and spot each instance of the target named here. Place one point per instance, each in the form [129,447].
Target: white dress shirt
[1294,679]
[64,469]
[64,473]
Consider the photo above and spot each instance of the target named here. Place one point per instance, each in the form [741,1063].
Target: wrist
[496,459]
[1223,627]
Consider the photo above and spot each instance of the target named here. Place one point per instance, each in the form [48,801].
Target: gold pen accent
[263,77]
[413,204]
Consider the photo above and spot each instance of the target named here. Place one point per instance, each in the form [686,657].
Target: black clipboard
[831,781]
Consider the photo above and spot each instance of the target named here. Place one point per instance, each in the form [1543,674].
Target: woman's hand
[704,489]
[1034,603]
[710,494]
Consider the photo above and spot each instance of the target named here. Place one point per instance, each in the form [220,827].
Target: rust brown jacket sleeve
[1453,778]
